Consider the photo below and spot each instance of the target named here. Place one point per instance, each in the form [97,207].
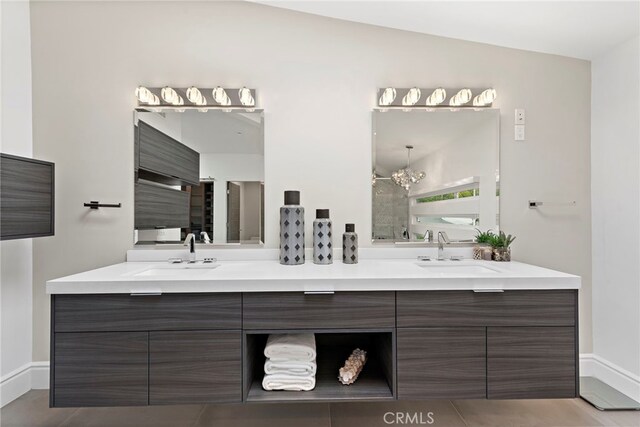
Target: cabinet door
[441,363]
[158,207]
[167,160]
[531,362]
[195,367]
[100,369]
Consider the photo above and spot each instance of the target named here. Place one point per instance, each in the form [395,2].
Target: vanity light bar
[407,98]
[193,97]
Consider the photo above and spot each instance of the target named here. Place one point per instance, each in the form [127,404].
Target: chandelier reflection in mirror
[407,176]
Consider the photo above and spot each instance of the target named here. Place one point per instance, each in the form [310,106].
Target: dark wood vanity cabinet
[119,350]
[498,345]
[161,158]
[442,362]
[114,350]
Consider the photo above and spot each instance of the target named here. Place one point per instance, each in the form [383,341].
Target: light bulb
[412,97]
[220,96]
[195,96]
[437,97]
[388,96]
[170,96]
[461,98]
[145,96]
[485,98]
[246,98]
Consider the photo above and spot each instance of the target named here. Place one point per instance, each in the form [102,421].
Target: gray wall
[317,80]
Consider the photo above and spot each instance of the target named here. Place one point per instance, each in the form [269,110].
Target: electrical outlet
[519,116]
[519,132]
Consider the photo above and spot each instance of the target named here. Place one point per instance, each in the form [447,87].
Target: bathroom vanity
[153,333]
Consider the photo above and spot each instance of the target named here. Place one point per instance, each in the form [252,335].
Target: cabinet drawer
[467,308]
[192,367]
[531,363]
[77,313]
[297,310]
[158,207]
[169,160]
[100,369]
[441,363]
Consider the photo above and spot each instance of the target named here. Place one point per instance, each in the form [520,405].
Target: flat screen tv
[27,198]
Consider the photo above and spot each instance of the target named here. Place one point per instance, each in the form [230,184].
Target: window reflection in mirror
[201,173]
[458,152]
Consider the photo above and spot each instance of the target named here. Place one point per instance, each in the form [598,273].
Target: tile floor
[32,410]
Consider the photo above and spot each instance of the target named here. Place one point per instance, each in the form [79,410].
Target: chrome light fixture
[485,98]
[388,96]
[246,98]
[437,97]
[460,98]
[412,97]
[407,176]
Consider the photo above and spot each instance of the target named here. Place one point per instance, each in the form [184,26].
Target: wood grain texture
[101,369]
[26,198]
[441,363]
[531,362]
[189,367]
[117,312]
[164,156]
[295,310]
[159,207]
[466,308]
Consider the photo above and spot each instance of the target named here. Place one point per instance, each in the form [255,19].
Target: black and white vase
[322,246]
[292,230]
[350,245]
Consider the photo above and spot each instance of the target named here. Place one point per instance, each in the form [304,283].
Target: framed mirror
[435,171]
[199,172]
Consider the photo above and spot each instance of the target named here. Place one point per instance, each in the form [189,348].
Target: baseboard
[15,384]
[30,376]
[592,365]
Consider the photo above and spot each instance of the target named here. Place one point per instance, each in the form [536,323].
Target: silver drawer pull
[488,291]
[146,294]
[319,292]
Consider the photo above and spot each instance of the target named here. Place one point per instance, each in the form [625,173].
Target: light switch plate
[519,132]
[519,118]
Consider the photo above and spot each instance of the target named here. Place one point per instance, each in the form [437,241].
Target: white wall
[316,79]
[16,255]
[615,168]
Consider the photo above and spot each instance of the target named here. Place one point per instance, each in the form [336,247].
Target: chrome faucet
[442,240]
[428,236]
[191,242]
[204,236]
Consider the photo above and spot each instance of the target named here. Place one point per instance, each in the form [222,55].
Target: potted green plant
[500,243]
[483,242]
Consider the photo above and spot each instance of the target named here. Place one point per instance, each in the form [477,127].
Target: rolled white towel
[290,367]
[288,382]
[287,347]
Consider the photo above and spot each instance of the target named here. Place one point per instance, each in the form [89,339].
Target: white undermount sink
[178,270]
[452,269]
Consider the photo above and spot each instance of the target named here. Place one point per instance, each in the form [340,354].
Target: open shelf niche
[376,381]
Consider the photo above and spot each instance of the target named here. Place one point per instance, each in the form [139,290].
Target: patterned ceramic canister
[291,230]
[350,244]
[322,245]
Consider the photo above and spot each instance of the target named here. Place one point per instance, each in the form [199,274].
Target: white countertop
[270,276]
